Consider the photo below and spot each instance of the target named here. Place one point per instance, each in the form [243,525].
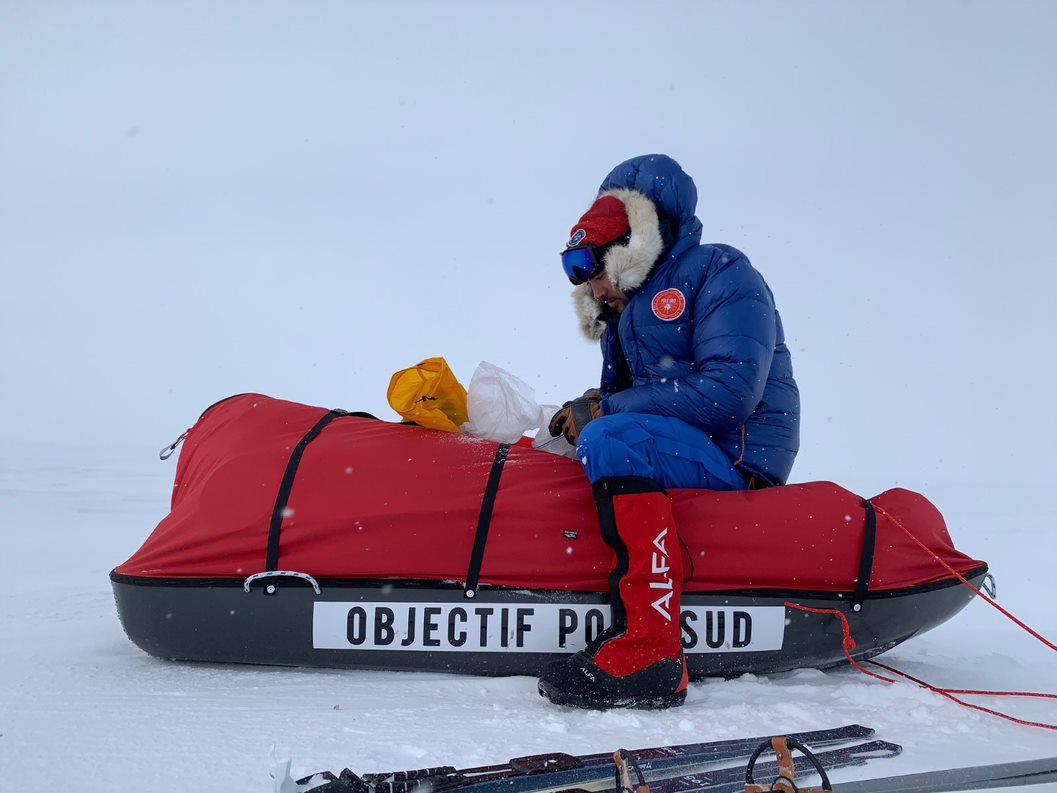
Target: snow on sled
[307,537]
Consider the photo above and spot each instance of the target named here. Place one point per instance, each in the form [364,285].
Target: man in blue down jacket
[697,391]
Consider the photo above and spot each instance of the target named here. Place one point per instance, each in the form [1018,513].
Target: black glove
[574,416]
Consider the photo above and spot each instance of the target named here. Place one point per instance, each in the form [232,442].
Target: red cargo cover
[376,500]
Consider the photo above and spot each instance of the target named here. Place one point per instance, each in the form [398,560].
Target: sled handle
[167,451]
[270,589]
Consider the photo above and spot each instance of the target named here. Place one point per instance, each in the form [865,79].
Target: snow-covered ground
[204,198]
[80,703]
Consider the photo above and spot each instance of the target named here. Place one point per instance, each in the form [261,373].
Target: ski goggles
[586,262]
[582,264]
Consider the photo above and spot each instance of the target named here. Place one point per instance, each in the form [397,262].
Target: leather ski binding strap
[545,763]
[625,762]
[784,782]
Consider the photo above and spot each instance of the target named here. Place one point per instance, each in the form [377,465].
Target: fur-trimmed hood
[660,199]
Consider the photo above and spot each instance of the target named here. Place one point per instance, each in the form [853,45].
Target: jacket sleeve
[733,345]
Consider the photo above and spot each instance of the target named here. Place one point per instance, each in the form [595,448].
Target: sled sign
[529,627]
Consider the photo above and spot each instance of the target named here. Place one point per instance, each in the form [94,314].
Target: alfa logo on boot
[663,604]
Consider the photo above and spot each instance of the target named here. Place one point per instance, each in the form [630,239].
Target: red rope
[967,692]
[962,578]
[849,645]
[949,694]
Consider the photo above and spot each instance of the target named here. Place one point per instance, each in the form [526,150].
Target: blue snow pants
[666,450]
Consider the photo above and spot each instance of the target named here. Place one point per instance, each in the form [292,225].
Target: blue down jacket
[701,339]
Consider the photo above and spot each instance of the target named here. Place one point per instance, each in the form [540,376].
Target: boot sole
[642,702]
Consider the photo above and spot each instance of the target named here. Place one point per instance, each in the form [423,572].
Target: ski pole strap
[484,520]
[783,747]
[625,762]
[869,542]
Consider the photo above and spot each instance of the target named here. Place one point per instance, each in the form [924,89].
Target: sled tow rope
[962,578]
[950,693]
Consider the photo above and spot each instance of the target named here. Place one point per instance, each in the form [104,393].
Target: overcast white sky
[204,198]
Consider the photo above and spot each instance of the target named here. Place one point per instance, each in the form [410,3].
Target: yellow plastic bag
[429,395]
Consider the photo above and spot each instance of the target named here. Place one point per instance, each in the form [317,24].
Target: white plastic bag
[501,407]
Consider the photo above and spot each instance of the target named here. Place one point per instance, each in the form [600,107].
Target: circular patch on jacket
[669,304]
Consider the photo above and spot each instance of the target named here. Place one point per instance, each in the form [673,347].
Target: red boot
[638,662]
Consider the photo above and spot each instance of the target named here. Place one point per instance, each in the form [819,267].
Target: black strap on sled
[287,485]
[869,541]
[484,520]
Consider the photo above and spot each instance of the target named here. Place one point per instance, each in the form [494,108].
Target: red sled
[311,537]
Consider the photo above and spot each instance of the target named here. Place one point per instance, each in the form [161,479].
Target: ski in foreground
[553,772]
[1000,775]
[980,777]
[685,769]
[732,779]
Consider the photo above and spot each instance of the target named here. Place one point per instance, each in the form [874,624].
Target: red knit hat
[605,221]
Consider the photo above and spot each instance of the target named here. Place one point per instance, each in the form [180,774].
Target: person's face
[602,289]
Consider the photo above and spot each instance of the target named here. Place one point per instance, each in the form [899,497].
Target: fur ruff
[626,265]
